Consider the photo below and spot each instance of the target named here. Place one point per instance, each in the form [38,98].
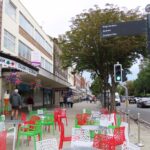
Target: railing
[127,115]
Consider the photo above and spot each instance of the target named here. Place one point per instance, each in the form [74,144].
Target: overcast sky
[55,15]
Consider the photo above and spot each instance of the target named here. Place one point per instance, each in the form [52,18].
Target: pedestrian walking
[70,101]
[15,101]
[65,100]
[30,103]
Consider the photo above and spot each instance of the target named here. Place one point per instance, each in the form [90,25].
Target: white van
[117,99]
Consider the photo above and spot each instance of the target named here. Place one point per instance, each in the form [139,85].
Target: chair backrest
[125,124]
[80,138]
[119,135]
[23,116]
[56,113]
[112,118]
[63,112]
[104,111]
[40,112]
[35,118]
[49,117]
[103,142]
[3,135]
[31,113]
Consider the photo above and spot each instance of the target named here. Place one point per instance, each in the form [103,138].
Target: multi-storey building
[59,72]
[26,55]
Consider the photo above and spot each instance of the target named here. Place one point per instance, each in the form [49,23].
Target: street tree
[96,86]
[84,48]
[142,82]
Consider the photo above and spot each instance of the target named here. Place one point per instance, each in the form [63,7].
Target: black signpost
[124,29]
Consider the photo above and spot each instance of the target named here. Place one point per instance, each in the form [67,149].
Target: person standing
[70,101]
[30,103]
[6,102]
[15,101]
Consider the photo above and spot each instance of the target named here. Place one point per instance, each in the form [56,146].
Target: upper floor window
[24,51]
[42,42]
[9,41]
[10,9]
[46,65]
[26,25]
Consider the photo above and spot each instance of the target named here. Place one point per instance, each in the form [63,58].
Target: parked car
[143,102]
[132,100]
[137,98]
[117,99]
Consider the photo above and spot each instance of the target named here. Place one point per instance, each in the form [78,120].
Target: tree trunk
[113,90]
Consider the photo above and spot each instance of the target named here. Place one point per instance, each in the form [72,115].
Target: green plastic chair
[92,133]
[48,120]
[32,113]
[118,119]
[30,130]
[76,124]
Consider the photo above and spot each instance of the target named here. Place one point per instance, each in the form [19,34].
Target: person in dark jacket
[15,101]
[30,103]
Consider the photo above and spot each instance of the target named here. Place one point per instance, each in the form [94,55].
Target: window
[42,42]
[46,65]
[9,41]
[26,25]
[42,62]
[24,51]
[10,9]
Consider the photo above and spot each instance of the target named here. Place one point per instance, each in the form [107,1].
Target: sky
[55,15]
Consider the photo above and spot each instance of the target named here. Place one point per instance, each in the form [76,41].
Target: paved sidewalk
[77,108]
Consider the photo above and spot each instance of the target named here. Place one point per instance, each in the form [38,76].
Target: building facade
[26,56]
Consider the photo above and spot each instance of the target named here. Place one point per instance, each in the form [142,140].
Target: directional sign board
[124,29]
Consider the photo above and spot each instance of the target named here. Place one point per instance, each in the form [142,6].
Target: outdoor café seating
[6,133]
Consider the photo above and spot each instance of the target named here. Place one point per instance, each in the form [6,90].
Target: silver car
[143,102]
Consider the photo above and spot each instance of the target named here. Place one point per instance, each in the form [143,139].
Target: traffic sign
[147,8]
[124,29]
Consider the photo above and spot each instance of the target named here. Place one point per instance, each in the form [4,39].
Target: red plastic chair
[63,115]
[35,118]
[104,111]
[82,119]
[119,135]
[63,138]
[103,142]
[3,135]
[115,119]
[107,142]
[56,119]
[23,116]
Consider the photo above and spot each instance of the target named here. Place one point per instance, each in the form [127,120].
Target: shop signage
[35,58]
[13,64]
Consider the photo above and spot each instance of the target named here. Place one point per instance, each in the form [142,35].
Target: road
[144,112]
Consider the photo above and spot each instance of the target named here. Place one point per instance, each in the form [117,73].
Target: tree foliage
[84,48]
[143,81]
[96,86]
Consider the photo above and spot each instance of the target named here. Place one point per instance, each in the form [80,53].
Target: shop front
[12,73]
